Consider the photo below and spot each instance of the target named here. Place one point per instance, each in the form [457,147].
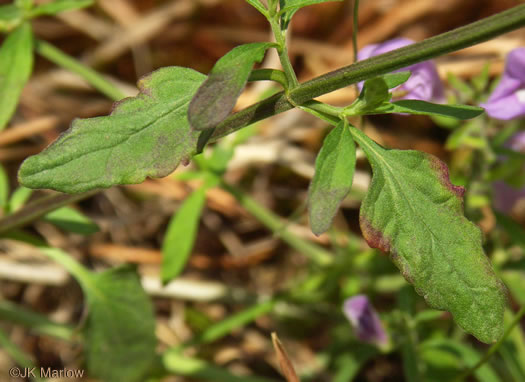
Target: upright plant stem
[456,39]
[355,28]
[67,62]
[283,53]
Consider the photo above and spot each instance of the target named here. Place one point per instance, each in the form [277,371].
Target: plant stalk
[456,39]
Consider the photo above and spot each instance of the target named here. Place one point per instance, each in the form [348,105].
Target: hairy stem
[456,39]
[283,53]
[355,28]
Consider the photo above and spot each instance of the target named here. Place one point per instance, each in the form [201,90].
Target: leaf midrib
[432,234]
[176,107]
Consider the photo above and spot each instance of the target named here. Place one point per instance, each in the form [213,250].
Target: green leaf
[120,327]
[395,79]
[294,5]
[332,181]
[19,197]
[59,6]
[481,80]
[147,135]
[182,231]
[16,64]
[71,220]
[258,5]
[466,93]
[119,330]
[24,4]
[467,355]
[4,190]
[18,355]
[200,370]
[217,96]
[10,17]
[512,350]
[413,211]
[512,228]
[374,94]
[418,107]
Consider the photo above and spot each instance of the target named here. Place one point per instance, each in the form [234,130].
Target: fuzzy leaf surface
[332,181]
[147,135]
[258,5]
[415,213]
[59,6]
[16,64]
[217,96]
[10,17]
[395,79]
[120,327]
[294,5]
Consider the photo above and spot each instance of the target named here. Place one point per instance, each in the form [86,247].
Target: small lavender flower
[364,320]
[424,83]
[507,101]
[505,196]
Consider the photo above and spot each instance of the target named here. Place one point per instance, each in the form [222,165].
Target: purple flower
[507,101]
[364,320]
[424,83]
[505,196]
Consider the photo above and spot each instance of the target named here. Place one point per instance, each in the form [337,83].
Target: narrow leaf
[467,355]
[16,64]
[178,364]
[19,197]
[71,220]
[334,171]
[512,349]
[147,135]
[395,79]
[180,235]
[413,211]
[217,96]
[293,5]
[4,190]
[258,5]
[418,107]
[24,4]
[375,92]
[10,17]
[59,6]
[120,327]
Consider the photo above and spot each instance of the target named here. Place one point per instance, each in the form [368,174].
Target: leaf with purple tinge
[217,96]
[413,211]
[146,135]
[332,181]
